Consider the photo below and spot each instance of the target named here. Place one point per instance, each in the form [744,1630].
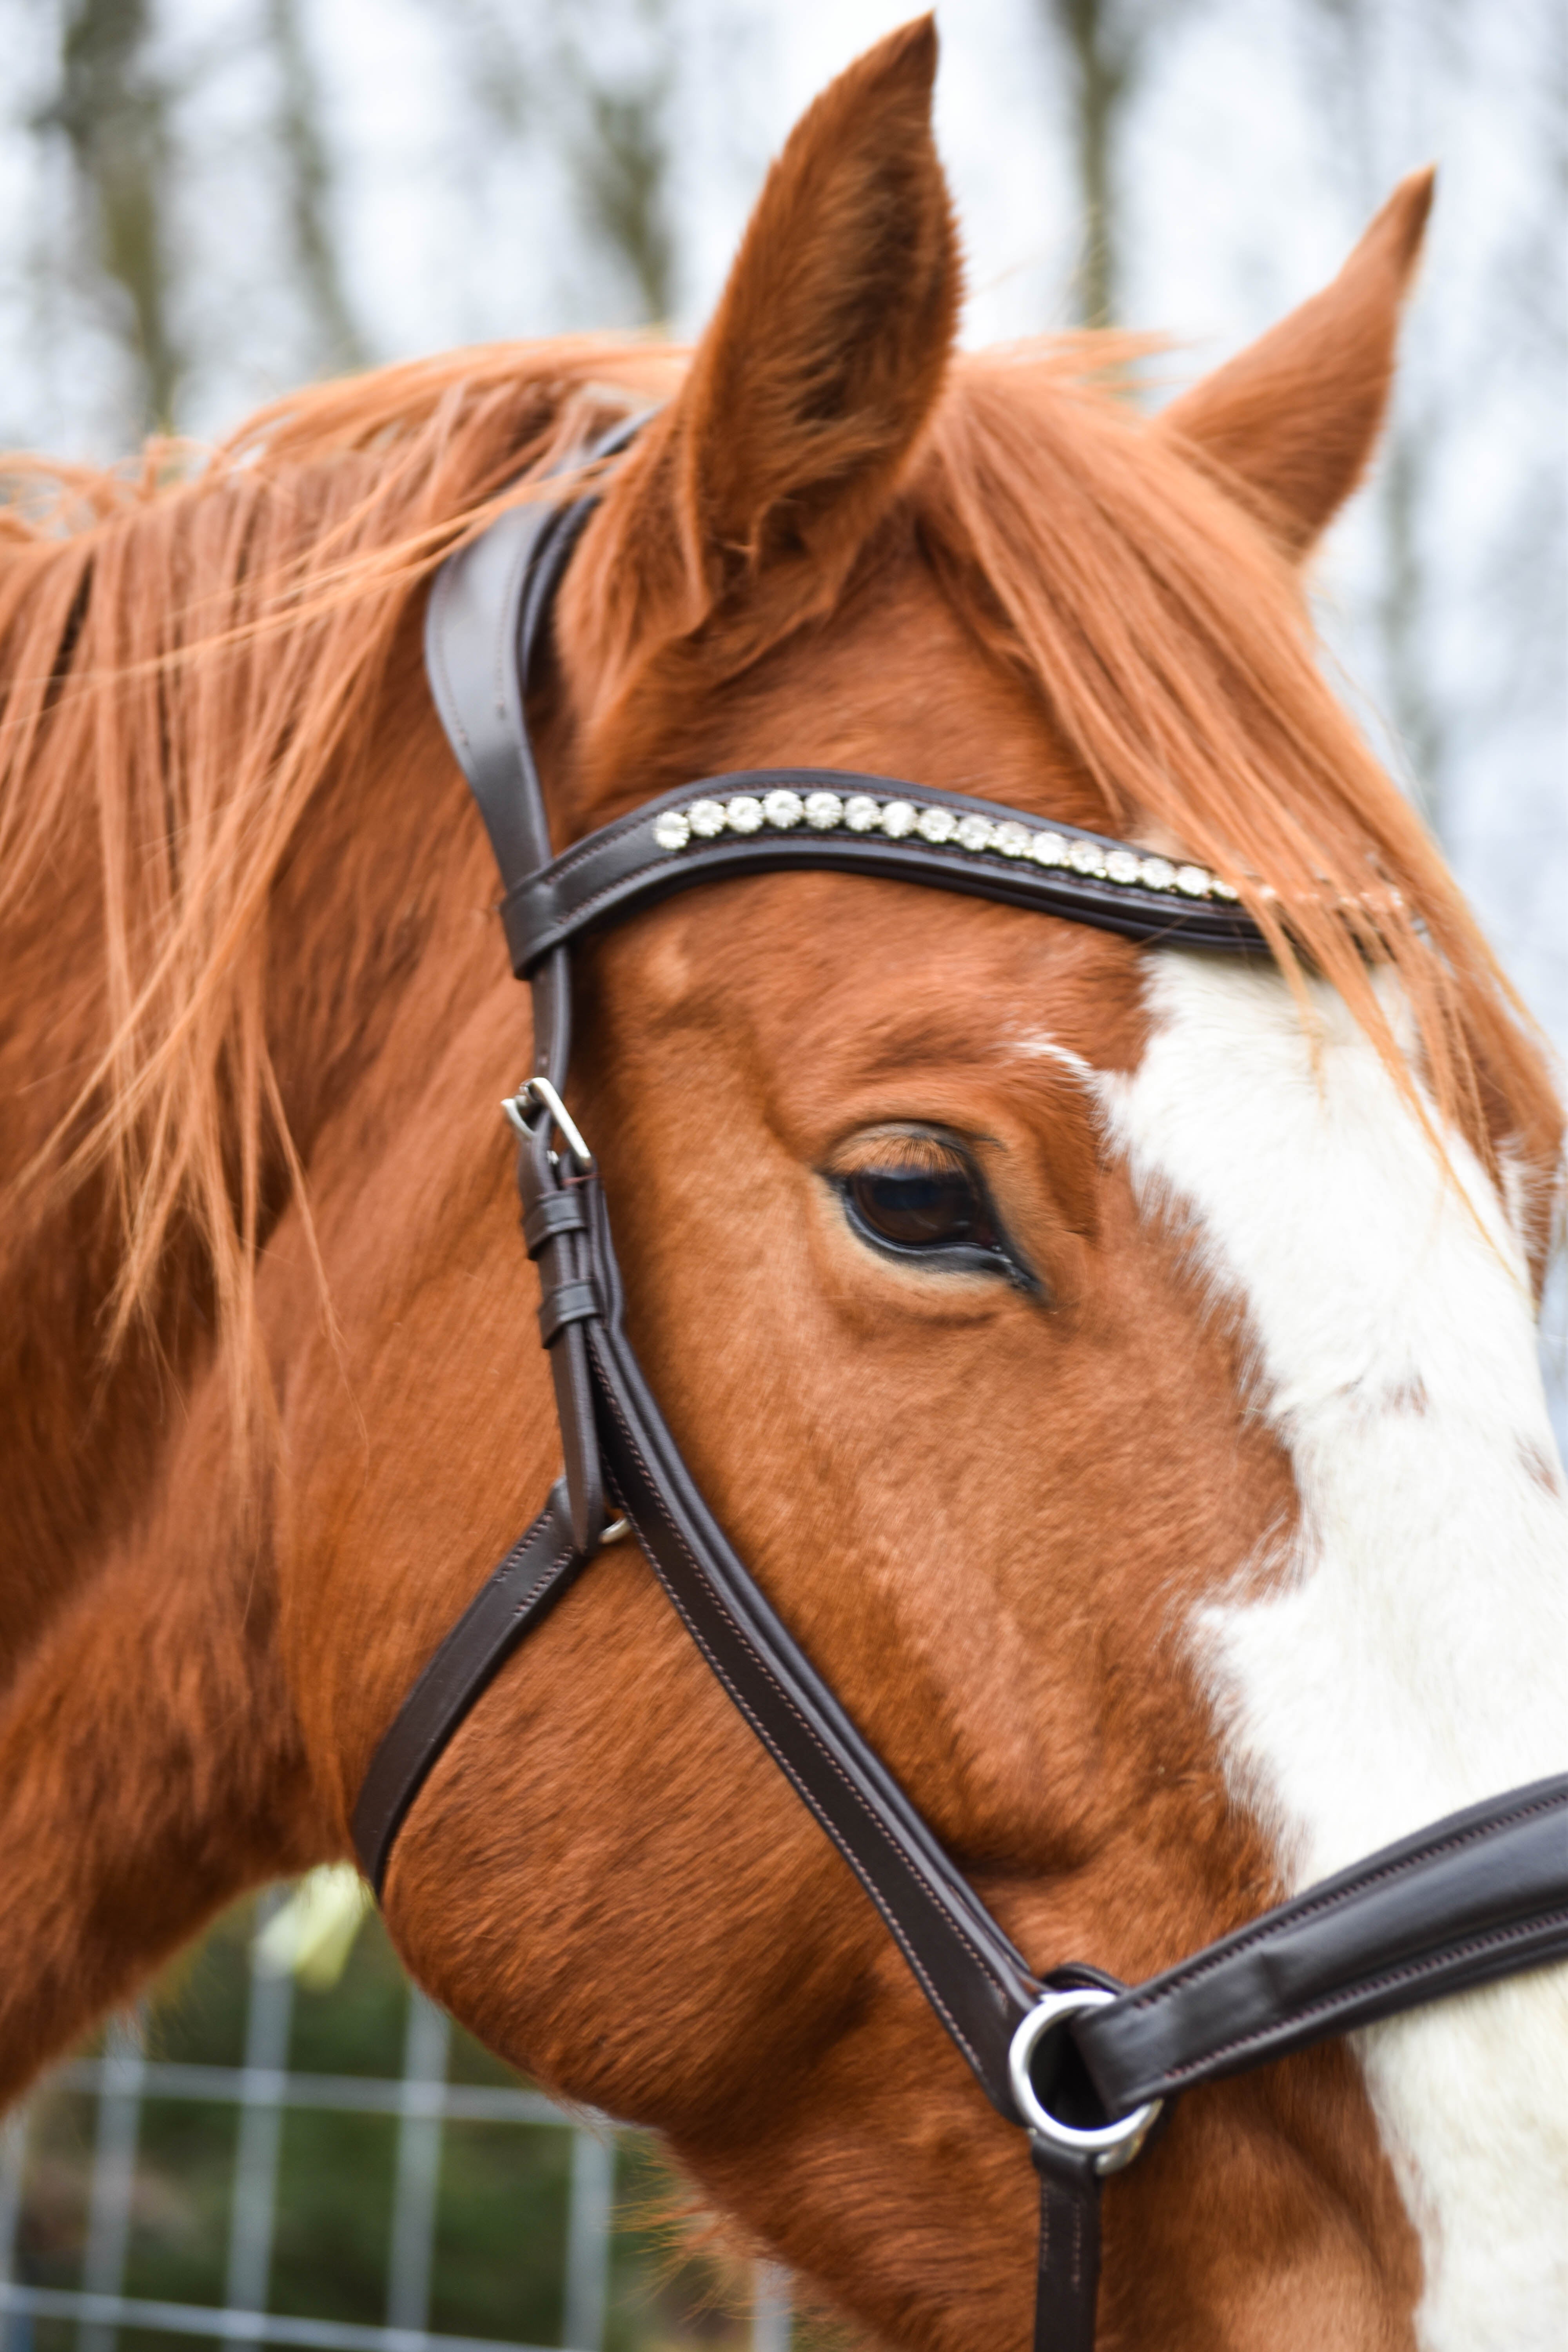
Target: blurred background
[205,202]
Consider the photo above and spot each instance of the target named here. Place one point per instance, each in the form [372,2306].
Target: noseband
[1083,2064]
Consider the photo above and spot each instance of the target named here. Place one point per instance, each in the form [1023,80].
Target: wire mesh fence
[204,2174]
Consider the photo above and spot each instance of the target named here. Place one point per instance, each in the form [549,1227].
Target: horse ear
[1292,420]
[753,491]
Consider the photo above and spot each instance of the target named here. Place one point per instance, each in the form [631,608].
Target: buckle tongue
[536,1095]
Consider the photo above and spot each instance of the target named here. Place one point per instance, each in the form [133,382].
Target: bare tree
[599,88]
[308,170]
[113,111]
[623,171]
[1106,44]
[622,150]
[1526,570]
[1349,56]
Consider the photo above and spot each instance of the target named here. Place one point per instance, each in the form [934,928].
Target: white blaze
[1412,1655]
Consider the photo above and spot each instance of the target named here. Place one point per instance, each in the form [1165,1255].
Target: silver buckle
[1112,2145]
[538,1093]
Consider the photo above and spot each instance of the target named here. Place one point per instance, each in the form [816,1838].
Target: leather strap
[976,1980]
[564,1303]
[623,868]
[472,628]
[1067,2260]
[520,1593]
[1479,1895]
[489,609]
[552,1214]
[485,603]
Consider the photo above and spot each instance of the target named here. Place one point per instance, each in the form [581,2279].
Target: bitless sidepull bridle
[1082,2062]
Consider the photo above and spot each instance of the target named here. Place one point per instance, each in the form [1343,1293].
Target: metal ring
[1111,2145]
[615,1531]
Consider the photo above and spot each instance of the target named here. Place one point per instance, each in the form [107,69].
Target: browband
[784,820]
[1468,1900]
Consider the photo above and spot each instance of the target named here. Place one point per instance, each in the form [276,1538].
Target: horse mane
[187,649]
[1145,594]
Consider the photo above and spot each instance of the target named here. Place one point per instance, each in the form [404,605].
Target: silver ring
[1111,2145]
[615,1531]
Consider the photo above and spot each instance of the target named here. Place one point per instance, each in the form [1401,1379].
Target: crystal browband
[782,819]
[978,835]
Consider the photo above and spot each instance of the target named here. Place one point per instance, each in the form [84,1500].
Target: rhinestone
[705,818]
[1048,849]
[1121,865]
[861,813]
[936,826]
[898,818]
[823,811]
[783,809]
[1226,890]
[745,815]
[974,832]
[1086,857]
[1193,881]
[1011,839]
[671,830]
[1157,874]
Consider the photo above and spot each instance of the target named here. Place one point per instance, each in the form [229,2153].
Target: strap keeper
[568,1302]
[527,913]
[552,1214]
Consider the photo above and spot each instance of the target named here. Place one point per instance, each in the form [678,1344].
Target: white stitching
[1296,1916]
[1196,2068]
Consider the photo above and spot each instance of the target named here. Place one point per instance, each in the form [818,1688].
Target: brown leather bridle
[1083,2064]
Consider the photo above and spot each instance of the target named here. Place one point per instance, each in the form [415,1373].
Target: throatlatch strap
[520,1593]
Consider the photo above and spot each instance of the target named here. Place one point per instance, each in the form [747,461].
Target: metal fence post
[16,2332]
[424,2053]
[269,2018]
[422,2098]
[114,2176]
[771,2309]
[588,2241]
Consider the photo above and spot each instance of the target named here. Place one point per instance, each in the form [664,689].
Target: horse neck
[85,1429]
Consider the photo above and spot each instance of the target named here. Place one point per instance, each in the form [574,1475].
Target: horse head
[1116,1365]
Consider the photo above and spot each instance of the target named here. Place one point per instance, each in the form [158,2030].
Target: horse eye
[919,1208]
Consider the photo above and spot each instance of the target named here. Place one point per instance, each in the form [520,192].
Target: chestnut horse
[1226,1549]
